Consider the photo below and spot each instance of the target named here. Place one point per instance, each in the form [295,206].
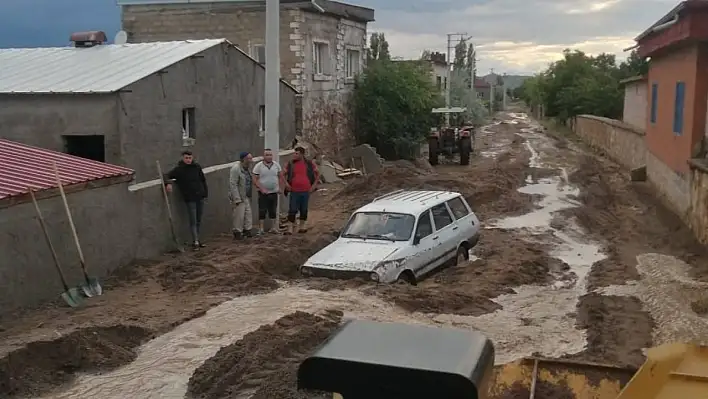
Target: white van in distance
[401,236]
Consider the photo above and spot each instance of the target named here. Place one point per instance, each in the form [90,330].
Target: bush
[392,103]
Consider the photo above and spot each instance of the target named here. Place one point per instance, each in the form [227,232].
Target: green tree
[460,59]
[392,104]
[634,65]
[378,47]
[425,55]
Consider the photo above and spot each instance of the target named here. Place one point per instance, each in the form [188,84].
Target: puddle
[533,319]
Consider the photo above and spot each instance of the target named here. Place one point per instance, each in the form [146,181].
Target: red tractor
[451,140]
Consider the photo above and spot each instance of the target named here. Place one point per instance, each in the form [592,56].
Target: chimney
[88,39]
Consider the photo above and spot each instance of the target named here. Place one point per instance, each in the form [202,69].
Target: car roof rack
[388,195]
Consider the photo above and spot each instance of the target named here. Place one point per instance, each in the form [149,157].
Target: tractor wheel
[465,149]
[433,149]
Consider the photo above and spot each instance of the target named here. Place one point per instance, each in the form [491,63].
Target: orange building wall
[680,64]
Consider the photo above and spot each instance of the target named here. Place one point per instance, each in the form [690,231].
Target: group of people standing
[267,179]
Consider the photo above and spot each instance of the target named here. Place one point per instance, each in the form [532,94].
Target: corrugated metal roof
[100,69]
[26,167]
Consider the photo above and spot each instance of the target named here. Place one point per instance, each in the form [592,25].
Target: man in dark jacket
[191,182]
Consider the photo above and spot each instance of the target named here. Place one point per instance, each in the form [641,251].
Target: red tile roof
[26,167]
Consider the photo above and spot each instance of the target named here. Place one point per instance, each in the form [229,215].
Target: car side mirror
[416,240]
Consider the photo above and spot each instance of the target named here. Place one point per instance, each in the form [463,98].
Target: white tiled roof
[100,69]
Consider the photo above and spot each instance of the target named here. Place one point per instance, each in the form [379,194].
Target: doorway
[89,147]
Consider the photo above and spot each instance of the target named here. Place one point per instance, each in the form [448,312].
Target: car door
[467,223]
[444,234]
[425,244]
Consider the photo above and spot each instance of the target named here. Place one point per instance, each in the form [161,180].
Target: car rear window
[441,216]
[458,207]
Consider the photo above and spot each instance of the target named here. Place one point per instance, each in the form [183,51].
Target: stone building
[134,104]
[322,47]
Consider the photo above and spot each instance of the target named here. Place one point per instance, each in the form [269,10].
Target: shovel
[92,287]
[169,209]
[71,296]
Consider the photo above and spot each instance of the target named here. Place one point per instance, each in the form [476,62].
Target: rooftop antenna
[121,37]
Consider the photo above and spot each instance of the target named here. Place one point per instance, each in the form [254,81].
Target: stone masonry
[325,113]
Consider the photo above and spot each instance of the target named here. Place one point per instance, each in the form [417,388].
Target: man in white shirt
[268,178]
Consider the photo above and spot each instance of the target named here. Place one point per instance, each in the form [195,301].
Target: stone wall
[624,143]
[117,225]
[698,220]
[635,104]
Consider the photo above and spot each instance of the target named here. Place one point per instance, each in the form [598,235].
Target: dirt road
[566,267]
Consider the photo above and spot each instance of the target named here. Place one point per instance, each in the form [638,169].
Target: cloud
[516,36]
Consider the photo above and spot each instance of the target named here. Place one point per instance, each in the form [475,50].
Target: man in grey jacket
[240,192]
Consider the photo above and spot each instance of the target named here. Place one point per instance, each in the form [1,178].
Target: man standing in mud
[191,182]
[240,193]
[268,178]
[301,180]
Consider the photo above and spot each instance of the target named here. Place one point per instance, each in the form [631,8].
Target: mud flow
[543,390]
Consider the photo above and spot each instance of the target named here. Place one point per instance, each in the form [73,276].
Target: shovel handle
[49,240]
[167,205]
[71,219]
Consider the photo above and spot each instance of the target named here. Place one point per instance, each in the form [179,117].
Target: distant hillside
[511,81]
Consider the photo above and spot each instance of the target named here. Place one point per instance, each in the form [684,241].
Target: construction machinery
[372,360]
[449,140]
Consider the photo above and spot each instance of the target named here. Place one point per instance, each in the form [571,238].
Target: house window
[438,81]
[445,83]
[654,94]
[352,66]
[188,129]
[261,118]
[258,53]
[89,147]
[480,94]
[678,107]
[320,57]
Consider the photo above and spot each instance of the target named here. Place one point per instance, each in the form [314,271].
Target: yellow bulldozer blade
[538,378]
[671,371]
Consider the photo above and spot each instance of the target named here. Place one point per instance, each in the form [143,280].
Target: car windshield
[380,226]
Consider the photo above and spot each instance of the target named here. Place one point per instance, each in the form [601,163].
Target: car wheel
[406,278]
[463,255]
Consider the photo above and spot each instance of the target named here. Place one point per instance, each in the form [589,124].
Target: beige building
[635,102]
[322,48]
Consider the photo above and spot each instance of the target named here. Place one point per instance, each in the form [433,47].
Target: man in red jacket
[301,178]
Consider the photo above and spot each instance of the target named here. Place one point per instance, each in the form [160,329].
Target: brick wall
[635,104]
[624,143]
[698,218]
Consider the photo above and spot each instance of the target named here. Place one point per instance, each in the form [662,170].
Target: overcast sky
[513,36]
[516,36]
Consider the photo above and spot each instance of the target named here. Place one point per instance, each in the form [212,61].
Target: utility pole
[450,47]
[272,84]
[272,81]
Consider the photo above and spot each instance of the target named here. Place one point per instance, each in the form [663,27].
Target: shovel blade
[72,297]
[92,287]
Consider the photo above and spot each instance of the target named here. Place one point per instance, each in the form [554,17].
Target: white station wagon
[400,236]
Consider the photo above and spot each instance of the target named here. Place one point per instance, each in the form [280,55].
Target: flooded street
[547,277]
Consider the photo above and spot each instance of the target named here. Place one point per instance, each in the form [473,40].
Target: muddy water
[533,319]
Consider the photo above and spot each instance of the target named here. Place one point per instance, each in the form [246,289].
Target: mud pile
[544,390]
[44,365]
[264,363]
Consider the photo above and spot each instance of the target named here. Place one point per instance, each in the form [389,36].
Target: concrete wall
[698,220]
[622,142]
[635,104]
[116,225]
[42,120]
[225,87]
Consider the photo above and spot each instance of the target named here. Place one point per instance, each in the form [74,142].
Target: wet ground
[574,262]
